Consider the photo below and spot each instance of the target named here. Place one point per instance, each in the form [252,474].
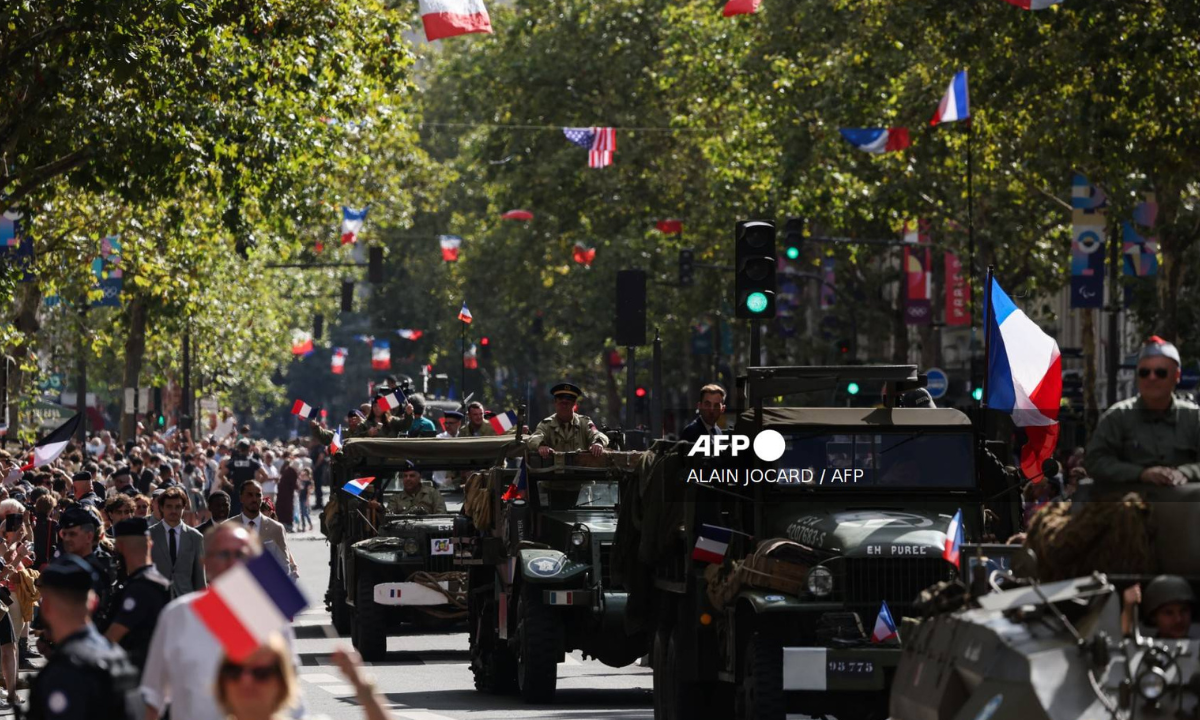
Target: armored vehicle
[536,543]
[763,580]
[390,568]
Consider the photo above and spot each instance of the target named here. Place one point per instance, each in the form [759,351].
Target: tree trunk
[135,352]
[1090,403]
[25,319]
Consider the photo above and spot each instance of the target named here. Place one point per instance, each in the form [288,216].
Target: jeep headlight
[1152,683]
[411,547]
[820,582]
[579,535]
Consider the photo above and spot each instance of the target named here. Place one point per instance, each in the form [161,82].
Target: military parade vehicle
[762,581]
[390,568]
[536,542]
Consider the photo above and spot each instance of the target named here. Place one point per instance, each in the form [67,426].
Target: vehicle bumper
[829,669]
[410,594]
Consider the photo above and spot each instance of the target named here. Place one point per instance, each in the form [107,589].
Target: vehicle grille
[606,565]
[437,563]
[868,581]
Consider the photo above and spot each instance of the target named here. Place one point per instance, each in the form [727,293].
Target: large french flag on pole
[1024,377]
[248,603]
[956,103]
[50,447]
[447,18]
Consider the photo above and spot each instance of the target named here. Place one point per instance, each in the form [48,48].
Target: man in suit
[177,550]
[269,531]
[709,410]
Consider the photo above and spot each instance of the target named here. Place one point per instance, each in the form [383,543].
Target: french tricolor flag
[337,363]
[1024,378]
[335,445]
[356,486]
[450,245]
[877,140]
[885,626]
[248,603]
[409,334]
[712,543]
[503,422]
[954,539]
[465,314]
[956,104]
[381,355]
[447,18]
[392,400]
[352,223]
[304,410]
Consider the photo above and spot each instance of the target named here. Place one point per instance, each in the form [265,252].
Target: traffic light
[844,348]
[375,265]
[485,350]
[640,392]
[977,393]
[687,268]
[347,296]
[852,388]
[318,326]
[793,238]
[160,421]
[755,267]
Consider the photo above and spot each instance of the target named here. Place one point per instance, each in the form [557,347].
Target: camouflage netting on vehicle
[1112,537]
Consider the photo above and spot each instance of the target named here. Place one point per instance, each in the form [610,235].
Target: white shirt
[176,531]
[181,667]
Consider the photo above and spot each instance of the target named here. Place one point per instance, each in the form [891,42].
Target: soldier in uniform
[416,497]
[476,426]
[355,427]
[78,529]
[84,492]
[136,607]
[566,431]
[87,677]
[1154,437]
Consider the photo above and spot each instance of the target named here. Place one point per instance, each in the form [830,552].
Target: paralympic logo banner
[1088,241]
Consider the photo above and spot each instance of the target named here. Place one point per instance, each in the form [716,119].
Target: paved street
[427,677]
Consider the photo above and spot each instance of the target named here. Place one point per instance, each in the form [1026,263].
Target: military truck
[536,544]
[394,568]
[855,511]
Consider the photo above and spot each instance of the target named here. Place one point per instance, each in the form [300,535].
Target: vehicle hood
[413,526]
[601,524]
[867,532]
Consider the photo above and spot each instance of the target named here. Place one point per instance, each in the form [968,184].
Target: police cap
[122,471]
[452,415]
[68,572]
[132,527]
[566,389]
[130,490]
[1164,590]
[75,516]
[1157,347]
[82,476]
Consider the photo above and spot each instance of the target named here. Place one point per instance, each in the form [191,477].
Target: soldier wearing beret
[87,677]
[84,495]
[79,529]
[565,430]
[136,607]
[1154,437]
[415,497]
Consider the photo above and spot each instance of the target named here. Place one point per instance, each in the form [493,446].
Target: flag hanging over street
[248,603]
[600,142]
[335,445]
[471,358]
[448,18]
[1034,4]
[1024,378]
[368,339]
[337,363]
[712,543]
[740,7]
[877,140]
[391,401]
[503,422]
[355,487]
[465,314]
[517,215]
[352,223]
[954,539]
[47,450]
[450,245]
[302,343]
[669,227]
[304,410]
[381,355]
[955,104]
[583,254]
[885,626]
[409,334]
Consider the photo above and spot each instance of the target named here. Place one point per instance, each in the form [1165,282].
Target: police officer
[1152,438]
[84,492]
[416,497]
[78,529]
[566,431]
[87,677]
[240,468]
[136,607]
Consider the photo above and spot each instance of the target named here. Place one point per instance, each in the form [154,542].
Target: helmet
[1166,589]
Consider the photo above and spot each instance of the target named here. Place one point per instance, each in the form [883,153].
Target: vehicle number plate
[850,668]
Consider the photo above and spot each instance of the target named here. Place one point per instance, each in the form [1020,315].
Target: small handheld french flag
[248,603]
[304,410]
[503,422]
[356,486]
[335,445]
[392,400]
[712,543]
[956,103]
[954,539]
[516,491]
[885,626]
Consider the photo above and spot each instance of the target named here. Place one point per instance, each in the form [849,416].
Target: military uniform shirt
[137,607]
[426,497]
[1130,438]
[86,678]
[105,566]
[484,430]
[575,436]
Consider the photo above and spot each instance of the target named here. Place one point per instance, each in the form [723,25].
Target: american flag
[600,142]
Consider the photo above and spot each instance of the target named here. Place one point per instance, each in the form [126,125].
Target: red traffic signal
[640,392]
[484,342]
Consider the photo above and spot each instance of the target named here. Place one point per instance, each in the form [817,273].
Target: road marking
[339,690]
[421,715]
[321,678]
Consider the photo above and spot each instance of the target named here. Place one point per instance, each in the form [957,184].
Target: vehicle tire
[340,611]
[761,693]
[492,663]
[370,623]
[539,649]
[674,699]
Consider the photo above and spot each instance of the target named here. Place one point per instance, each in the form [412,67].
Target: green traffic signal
[793,252]
[756,302]
[852,388]
[977,393]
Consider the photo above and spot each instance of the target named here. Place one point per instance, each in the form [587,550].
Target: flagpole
[987,336]
[463,375]
[971,209]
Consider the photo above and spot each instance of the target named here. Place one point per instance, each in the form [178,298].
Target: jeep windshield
[571,494]
[895,460]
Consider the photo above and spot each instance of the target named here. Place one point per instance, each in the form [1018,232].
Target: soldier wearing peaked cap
[1154,437]
[136,606]
[565,430]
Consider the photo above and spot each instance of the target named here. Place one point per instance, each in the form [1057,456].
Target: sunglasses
[231,671]
[1160,373]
